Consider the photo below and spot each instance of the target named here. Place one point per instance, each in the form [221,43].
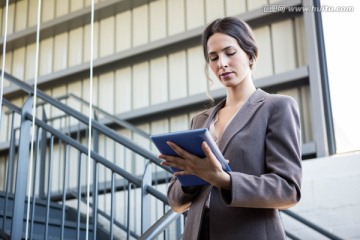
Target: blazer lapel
[242,117]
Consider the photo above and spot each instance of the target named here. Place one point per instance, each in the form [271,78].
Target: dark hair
[236,28]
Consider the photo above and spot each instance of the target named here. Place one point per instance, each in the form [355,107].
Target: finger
[181,173]
[179,151]
[208,153]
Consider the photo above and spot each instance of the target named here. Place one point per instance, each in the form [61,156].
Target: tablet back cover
[189,140]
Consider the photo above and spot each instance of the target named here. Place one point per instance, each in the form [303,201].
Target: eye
[230,53]
[213,58]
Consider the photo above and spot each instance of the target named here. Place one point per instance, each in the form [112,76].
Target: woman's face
[227,60]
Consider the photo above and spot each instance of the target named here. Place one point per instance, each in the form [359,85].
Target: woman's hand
[208,168]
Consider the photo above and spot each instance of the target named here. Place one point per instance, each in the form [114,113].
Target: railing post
[22,172]
[42,171]
[95,180]
[145,199]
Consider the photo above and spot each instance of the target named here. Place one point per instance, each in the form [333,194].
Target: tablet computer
[189,140]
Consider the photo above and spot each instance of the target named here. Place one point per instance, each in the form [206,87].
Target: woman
[259,134]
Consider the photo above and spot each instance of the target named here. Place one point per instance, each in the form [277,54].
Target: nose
[223,62]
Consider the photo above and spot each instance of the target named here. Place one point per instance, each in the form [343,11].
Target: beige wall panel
[47,107]
[10,20]
[264,64]
[177,75]
[123,31]
[73,167]
[62,7]
[195,64]
[176,16]
[107,36]
[214,9]
[140,162]
[19,102]
[76,5]
[123,156]
[103,150]
[87,42]
[57,92]
[1,21]
[57,168]
[88,2]
[75,47]
[179,123]
[47,10]
[274,1]
[140,25]
[33,12]
[158,80]
[18,65]
[60,51]
[159,126]
[2,173]
[307,132]
[74,88]
[30,61]
[21,15]
[5,125]
[86,91]
[141,86]
[157,20]
[123,89]
[253,4]
[8,61]
[300,41]
[301,96]
[194,14]
[235,7]
[283,46]
[106,92]
[46,56]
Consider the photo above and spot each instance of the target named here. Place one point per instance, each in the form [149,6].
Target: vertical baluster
[112,205]
[95,180]
[43,157]
[145,199]
[78,197]
[65,175]
[21,175]
[49,187]
[34,184]
[10,167]
[95,196]
[128,212]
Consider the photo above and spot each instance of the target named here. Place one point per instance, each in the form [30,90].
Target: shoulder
[279,101]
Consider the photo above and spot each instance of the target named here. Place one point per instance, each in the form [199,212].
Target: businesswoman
[259,134]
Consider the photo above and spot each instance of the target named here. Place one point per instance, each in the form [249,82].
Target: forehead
[219,41]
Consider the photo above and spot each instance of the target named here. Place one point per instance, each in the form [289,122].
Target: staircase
[48,221]
[125,198]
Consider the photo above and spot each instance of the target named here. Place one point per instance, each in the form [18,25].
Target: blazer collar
[242,117]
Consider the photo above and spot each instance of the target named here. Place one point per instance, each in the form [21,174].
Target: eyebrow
[222,50]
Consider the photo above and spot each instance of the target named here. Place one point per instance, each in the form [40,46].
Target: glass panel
[339,30]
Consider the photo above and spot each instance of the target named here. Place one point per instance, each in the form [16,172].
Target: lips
[225,74]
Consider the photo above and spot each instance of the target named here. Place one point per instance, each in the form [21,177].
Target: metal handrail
[108,115]
[84,119]
[313,226]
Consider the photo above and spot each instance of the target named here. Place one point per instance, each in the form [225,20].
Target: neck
[239,95]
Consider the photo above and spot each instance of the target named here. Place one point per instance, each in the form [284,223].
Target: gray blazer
[263,145]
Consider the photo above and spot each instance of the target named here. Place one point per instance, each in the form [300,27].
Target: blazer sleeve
[279,186]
